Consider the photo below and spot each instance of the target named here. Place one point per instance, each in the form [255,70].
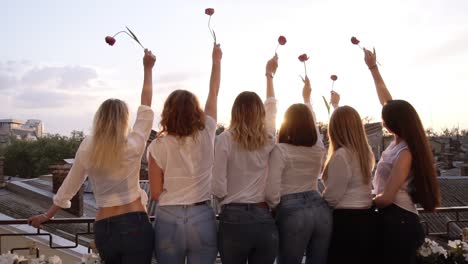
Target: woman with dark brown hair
[405,176]
[180,169]
[247,231]
[302,215]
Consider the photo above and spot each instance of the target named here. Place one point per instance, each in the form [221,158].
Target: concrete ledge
[32,192]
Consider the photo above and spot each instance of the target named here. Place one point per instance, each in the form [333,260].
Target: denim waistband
[301,195]
[133,216]
[207,202]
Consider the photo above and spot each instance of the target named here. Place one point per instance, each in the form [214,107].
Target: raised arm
[211,106]
[270,71]
[371,60]
[147,92]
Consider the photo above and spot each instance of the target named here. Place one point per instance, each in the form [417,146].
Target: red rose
[209,11]
[334,77]
[282,40]
[303,57]
[355,41]
[110,40]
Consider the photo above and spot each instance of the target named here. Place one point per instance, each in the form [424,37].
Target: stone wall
[59,173]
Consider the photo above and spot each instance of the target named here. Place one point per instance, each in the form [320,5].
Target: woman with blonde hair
[247,231]
[348,188]
[111,158]
[303,217]
[180,174]
[405,175]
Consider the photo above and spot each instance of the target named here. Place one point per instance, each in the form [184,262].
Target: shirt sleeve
[319,135]
[339,174]
[222,149]
[142,127]
[276,165]
[72,183]
[157,150]
[270,115]
[210,126]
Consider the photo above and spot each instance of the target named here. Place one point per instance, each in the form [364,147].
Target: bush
[29,159]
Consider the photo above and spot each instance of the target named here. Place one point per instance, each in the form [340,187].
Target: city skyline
[56,67]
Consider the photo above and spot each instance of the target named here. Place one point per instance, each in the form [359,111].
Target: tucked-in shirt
[187,165]
[294,169]
[383,172]
[114,187]
[239,175]
[344,186]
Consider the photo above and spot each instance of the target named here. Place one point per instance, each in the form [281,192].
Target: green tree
[33,158]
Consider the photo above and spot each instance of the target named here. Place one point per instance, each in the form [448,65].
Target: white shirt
[187,164]
[121,185]
[344,187]
[239,175]
[382,175]
[294,169]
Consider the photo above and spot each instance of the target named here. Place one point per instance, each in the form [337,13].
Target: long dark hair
[401,118]
[298,127]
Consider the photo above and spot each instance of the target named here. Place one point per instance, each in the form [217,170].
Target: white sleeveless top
[382,175]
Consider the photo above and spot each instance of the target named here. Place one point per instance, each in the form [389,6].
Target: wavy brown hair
[109,134]
[182,115]
[298,127]
[345,130]
[401,118]
[248,121]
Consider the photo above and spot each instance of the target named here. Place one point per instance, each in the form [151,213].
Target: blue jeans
[125,238]
[304,223]
[247,232]
[185,233]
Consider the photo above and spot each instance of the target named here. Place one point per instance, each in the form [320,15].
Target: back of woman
[180,162]
[303,217]
[347,179]
[247,232]
[111,158]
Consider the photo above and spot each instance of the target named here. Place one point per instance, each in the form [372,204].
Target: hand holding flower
[370,58]
[271,66]
[217,53]
[149,59]
[306,90]
[334,99]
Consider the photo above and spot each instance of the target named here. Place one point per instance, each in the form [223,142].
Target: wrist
[373,67]
[269,75]
[335,105]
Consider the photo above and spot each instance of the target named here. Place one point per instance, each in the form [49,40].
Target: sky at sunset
[55,65]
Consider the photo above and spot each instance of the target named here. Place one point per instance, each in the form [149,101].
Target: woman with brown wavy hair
[180,169]
[247,231]
[405,176]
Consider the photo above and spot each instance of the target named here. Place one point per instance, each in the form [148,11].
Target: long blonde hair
[248,121]
[345,129]
[109,135]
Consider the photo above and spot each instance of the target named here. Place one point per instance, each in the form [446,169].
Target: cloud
[42,99]
[176,77]
[65,77]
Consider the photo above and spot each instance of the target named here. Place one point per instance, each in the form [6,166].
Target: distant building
[31,130]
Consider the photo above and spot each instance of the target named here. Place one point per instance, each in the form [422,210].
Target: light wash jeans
[185,233]
[304,223]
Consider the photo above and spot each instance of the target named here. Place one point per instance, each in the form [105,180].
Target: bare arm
[211,106]
[147,92]
[270,71]
[398,176]
[156,178]
[371,60]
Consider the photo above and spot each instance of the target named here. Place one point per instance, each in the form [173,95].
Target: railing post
[2,179]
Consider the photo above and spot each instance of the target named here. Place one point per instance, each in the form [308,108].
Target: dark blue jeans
[247,233]
[354,237]
[126,238]
[304,224]
[400,234]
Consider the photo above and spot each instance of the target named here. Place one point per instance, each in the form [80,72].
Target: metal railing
[89,230]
